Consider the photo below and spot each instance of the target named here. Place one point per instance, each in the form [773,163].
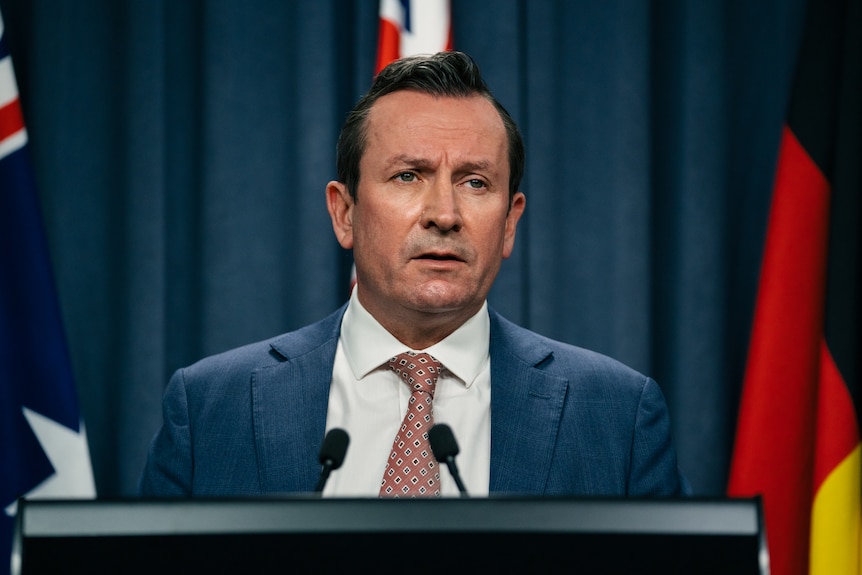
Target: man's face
[432,221]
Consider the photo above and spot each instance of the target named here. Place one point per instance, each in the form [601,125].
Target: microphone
[445,449]
[331,454]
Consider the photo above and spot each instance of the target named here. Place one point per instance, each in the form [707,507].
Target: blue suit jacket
[564,420]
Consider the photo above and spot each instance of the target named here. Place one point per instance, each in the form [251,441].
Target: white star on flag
[69,455]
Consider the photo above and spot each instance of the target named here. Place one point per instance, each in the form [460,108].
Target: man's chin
[443,299]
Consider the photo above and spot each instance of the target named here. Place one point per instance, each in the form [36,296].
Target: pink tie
[411,469]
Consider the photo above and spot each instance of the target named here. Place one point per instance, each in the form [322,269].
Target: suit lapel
[526,405]
[289,403]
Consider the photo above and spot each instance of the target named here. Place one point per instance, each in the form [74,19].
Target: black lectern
[299,534]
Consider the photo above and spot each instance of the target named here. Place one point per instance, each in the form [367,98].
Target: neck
[420,330]
[424,333]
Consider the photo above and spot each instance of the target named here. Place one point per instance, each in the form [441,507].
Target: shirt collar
[367,345]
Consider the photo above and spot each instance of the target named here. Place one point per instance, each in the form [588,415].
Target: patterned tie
[411,469]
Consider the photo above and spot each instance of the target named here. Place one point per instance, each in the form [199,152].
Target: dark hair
[451,74]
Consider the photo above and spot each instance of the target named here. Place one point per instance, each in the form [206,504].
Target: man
[429,167]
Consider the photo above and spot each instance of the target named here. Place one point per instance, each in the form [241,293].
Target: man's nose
[442,207]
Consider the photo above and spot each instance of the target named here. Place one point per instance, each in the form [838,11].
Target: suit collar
[309,338]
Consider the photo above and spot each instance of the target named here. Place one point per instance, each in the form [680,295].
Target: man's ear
[519,202]
[339,202]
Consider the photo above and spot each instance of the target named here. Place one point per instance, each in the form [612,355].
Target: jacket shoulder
[556,357]
[268,352]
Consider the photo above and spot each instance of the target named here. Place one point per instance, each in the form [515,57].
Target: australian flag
[410,27]
[43,446]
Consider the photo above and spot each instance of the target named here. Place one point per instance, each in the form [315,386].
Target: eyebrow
[404,159]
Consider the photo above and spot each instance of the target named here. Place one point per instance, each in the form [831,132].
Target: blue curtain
[182,148]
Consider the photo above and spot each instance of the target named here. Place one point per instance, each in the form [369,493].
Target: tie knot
[418,370]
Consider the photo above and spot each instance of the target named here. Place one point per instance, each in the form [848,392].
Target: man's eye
[406,177]
[476,184]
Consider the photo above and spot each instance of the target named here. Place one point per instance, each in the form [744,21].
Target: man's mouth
[440,257]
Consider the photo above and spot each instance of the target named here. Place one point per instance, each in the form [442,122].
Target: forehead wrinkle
[419,162]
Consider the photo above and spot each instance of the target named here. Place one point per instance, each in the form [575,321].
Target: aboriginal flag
[797,442]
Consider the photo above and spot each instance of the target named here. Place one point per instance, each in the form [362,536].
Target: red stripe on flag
[774,449]
[11,119]
[388,44]
[837,429]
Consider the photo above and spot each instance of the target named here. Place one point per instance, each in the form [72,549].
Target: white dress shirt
[368,400]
